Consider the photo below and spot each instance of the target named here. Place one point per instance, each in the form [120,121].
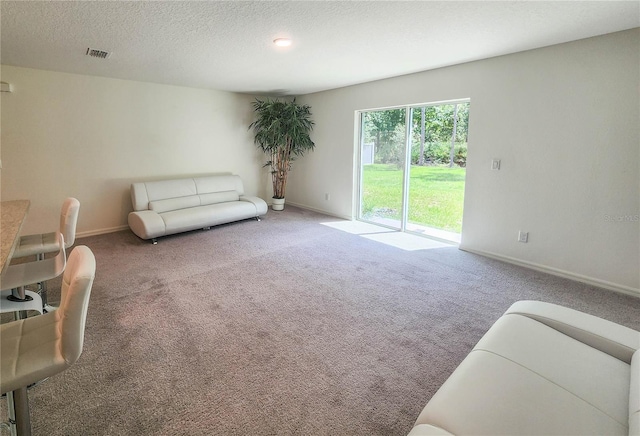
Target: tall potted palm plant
[282,131]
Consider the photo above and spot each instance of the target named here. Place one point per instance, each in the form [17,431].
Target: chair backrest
[69,220]
[74,301]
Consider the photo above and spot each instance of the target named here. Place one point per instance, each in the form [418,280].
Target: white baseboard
[324,212]
[623,289]
[101,231]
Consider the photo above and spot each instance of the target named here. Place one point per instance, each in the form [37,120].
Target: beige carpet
[281,327]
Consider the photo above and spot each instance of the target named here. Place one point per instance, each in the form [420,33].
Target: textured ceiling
[228,45]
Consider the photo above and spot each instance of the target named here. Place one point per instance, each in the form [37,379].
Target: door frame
[358,172]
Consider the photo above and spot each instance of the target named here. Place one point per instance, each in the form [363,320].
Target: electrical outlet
[523,236]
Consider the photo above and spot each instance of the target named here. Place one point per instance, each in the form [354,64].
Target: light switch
[523,236]
[495,164]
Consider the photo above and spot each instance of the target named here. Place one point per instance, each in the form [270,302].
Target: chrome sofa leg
[154,241]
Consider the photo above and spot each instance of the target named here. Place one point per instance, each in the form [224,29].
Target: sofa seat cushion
[524,377]
[204,216]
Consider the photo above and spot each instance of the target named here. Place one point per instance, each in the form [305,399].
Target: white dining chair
[44,243]
[14,297]
[39,347]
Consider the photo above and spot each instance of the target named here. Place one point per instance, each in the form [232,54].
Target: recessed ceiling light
[282,42]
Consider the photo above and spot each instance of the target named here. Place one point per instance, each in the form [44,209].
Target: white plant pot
[277,204]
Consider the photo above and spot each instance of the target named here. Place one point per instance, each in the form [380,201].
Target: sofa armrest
[259,203]
[147,224]
[611,338]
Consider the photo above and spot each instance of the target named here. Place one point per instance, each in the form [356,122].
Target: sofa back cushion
[219,183]
[161,206]
[145,192]
[164,189]
[219,197]
[212,189]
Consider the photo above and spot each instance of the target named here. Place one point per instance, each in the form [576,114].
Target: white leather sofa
[542,369]
[166,207]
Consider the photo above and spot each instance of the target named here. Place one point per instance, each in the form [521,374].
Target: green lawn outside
[436,195]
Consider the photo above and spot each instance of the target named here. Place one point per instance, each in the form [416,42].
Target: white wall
[90,137]
[564,120]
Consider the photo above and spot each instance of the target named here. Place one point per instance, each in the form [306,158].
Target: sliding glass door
[383,156]
[412,168]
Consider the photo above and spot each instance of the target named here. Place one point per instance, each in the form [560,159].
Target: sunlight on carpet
[394,238]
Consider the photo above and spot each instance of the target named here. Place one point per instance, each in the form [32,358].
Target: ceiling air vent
[98,53]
